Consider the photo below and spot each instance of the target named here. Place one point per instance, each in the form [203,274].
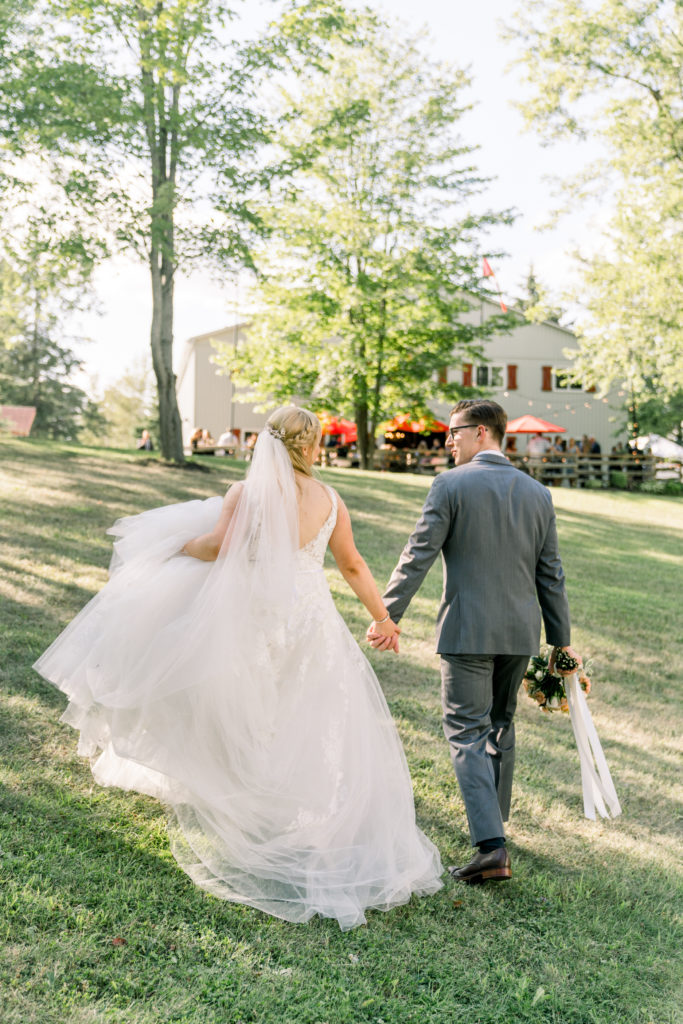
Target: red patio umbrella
[349,431]
[421,426]
[332,425]
[529,424]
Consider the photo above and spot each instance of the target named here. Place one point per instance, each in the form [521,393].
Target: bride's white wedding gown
[267,735]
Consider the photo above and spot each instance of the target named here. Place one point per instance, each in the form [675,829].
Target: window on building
[562,382]
[490,376]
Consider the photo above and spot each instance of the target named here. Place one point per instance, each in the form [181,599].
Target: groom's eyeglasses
[453,431]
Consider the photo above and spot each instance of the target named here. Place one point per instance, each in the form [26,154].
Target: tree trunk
[360,413]
[160,125]
[170,428]
[379,380]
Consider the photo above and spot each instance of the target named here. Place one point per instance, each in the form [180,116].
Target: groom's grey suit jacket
[495,529]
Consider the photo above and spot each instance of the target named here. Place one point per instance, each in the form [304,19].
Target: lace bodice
[312,555]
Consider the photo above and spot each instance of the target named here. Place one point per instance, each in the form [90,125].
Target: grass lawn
[98,923]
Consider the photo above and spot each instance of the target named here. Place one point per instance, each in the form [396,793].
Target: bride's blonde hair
[297,429]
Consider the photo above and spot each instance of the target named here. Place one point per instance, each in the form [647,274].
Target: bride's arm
[354,569]
[208,545]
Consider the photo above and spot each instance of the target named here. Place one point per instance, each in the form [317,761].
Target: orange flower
[540,697]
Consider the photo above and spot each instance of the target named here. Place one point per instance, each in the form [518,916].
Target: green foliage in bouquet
[547,688]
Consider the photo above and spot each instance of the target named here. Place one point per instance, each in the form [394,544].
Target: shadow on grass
[586,921]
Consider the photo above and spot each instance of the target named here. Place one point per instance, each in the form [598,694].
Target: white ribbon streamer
[598,789]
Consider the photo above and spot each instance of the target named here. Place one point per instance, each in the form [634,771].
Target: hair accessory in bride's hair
[280,434]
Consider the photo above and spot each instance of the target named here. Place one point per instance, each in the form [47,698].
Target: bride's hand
[383,636]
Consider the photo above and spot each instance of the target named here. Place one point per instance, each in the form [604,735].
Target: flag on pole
[486,271]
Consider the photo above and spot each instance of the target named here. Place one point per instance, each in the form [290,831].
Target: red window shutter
[547,383]
[443,375]
[467,375]
[591,389]
[512,377]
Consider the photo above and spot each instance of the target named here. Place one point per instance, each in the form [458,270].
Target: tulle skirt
[273,748]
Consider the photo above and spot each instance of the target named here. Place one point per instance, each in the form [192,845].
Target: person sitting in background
[144,442]
[422,456]
[594,449]
[556,467]
[206,440]
[511,446]
[249,443]
[227,442]
[537,446]
[584,463]
[195,438]
[536,449]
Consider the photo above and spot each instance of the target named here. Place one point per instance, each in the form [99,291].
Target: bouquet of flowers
[553,692]
[547,688]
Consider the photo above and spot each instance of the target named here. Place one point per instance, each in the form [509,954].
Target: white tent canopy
[662,447]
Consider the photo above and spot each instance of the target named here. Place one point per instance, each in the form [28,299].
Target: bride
[214,673]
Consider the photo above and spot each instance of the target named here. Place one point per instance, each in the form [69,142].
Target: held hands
[383,636]
[564,661]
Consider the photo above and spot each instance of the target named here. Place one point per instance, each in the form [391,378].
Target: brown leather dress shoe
[484,867]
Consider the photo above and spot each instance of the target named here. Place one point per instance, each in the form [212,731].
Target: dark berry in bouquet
[565,662]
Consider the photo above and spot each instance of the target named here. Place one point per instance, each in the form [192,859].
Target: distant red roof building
[19,418]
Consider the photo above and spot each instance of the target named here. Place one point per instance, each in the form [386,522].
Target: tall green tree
[44,277]
[612,71]
[535,302]
[129,406]
[374,251]
[150,111]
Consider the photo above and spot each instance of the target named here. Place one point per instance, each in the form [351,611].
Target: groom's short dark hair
[486,412]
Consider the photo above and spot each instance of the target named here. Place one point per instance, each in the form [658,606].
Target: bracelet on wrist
[379,622]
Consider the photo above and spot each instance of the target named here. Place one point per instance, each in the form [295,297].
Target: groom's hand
[571,653]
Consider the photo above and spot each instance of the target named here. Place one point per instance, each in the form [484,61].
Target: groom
[495,529]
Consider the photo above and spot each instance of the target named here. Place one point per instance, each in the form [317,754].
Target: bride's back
[314,504]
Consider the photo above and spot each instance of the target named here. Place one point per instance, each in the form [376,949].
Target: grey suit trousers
[479,697]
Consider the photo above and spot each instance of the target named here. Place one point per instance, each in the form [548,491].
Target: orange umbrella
[529,424]
[349,431]
[421,426]
[332,425]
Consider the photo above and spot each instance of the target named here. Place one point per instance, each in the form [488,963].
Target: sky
[466,34]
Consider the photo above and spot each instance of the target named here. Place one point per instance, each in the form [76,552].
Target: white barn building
[523,373]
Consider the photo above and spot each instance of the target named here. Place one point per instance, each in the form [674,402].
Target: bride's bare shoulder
[233,492]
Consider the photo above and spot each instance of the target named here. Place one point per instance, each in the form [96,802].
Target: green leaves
[369,262]
[612,71]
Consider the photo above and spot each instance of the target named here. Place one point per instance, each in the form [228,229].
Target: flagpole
[488,272]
